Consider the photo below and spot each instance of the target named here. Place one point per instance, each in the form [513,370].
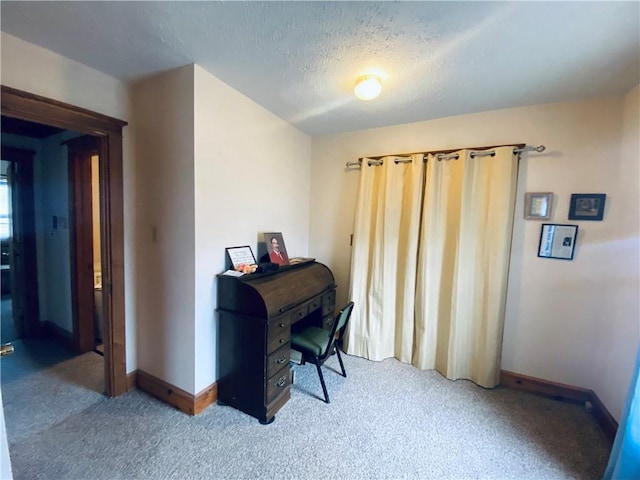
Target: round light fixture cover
[368,87]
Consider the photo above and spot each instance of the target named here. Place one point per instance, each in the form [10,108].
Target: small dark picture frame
[587,206]
[557,241]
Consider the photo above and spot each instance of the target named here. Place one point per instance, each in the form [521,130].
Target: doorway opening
[19,285]
[106,135]
[8,332]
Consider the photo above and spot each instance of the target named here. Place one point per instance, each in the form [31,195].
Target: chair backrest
[339,324]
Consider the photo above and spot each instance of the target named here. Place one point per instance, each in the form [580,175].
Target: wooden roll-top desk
[255,315]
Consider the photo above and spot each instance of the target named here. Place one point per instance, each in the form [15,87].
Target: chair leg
[324,387]
[344,372]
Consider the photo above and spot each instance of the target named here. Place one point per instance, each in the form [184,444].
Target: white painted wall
[163,109]
[36,70]
[556,310]
[236,138]
[214,170]
[618,333]
[252,175]
[51,199]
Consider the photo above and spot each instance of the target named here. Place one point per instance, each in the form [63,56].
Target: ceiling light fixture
[368,87]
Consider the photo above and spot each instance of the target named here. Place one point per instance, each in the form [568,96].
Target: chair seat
[312,339]
[317,344]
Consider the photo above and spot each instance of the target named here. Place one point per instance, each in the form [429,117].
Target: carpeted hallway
[387,420]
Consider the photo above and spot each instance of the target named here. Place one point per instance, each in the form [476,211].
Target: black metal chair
[317,344]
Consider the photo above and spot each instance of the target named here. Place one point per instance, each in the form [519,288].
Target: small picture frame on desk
[240,256]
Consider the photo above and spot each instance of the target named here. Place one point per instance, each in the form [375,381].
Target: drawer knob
[281,381]
[282,340]
[282,325]
[282,359]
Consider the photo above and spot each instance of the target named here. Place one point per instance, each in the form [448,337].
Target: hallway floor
[43,383]
[7,329]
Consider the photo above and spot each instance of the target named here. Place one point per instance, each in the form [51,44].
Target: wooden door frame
[80,150]
[27,106]
[31,323]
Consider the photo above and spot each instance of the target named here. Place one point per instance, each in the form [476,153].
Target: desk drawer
[278,383]
[299,313]
[276,404]
[277,326]
[328,309]
[277,342]
[277,360]
[329,298]
[315,304]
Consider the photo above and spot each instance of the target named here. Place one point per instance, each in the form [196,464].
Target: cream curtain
[384,259]
[447,313]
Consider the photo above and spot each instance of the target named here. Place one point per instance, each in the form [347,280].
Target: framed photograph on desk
[240,256]
[276,248]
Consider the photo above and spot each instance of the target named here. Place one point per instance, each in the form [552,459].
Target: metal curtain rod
[449,154]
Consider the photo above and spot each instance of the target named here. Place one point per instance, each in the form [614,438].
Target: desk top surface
[268,294]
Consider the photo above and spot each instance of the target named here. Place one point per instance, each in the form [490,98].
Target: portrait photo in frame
[276,248]
[557,241]
[587,206]
[537,205]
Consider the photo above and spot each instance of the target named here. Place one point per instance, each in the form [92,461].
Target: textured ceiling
[300,59]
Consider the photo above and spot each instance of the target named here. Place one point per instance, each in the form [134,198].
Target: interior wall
[618,334]
[51,200]
[27,143]
[164,111]
[556,309]
[33,69]
[252,175]
[37,70]
[52,194]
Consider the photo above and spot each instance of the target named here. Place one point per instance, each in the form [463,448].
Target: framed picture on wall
[587,206]
[537,205]
[557,241]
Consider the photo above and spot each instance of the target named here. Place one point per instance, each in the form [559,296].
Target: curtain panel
[384,259]
[430,263]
